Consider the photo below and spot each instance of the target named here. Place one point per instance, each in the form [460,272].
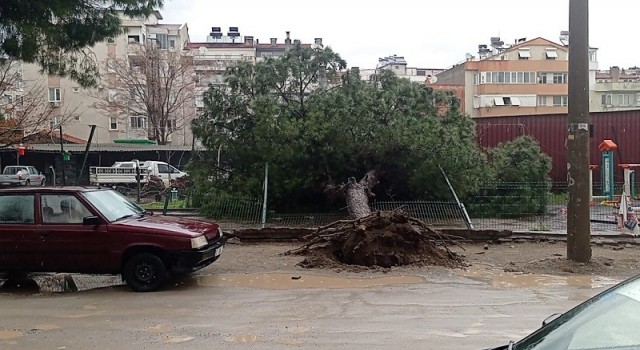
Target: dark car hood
[171,224]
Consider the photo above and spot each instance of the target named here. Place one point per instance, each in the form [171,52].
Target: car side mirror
[91,221]
[550,319]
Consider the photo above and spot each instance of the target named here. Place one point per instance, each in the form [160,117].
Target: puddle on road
[502,279]
[291,281]
[244,338]
[6,335]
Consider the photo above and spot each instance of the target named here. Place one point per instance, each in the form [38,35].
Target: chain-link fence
[520,207]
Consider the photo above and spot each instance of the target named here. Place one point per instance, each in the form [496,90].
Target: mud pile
[382,239]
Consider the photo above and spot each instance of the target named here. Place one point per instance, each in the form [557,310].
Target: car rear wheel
[145,272]
[43,183]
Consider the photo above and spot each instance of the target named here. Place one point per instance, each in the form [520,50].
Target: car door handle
[45,233]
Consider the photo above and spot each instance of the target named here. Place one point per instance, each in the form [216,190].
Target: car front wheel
[145,272]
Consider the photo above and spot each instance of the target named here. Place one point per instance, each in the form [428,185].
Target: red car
[98,231]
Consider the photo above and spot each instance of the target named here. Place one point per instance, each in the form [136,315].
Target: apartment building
[526,78]
[616,89]
[212,57]
[398,65]
[221,50]
[76,108]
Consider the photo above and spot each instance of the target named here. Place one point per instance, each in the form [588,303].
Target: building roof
[105,147]
[196,45]
[278,46]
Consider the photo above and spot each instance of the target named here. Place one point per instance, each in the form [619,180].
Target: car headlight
[198,242]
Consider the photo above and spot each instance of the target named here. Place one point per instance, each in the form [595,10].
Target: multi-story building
[399,66]
[76,108]
[212,58]
[527,78]
[220,51]
[616,90]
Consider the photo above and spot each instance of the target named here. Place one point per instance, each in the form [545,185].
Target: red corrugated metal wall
[551,132]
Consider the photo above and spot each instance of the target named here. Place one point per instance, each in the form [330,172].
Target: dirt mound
[382,239]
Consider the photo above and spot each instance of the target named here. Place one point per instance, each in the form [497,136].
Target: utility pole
[579,216]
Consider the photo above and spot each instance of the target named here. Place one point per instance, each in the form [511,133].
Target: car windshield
[608,321]
[112,204]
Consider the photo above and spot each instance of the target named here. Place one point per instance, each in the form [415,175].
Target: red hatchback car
[97,230]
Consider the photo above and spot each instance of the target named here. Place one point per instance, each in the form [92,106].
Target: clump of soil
[382,239]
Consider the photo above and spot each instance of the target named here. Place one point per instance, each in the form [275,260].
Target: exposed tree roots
[383,239]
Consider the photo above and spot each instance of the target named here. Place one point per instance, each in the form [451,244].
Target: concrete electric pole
[579,216]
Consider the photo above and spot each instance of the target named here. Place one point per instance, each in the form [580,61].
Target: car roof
[57,189]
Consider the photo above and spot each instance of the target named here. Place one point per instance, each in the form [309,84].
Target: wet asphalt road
[434,311]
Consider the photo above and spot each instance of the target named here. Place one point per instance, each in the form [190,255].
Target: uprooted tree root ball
[382,239]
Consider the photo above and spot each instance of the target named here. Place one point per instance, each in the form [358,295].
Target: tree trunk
[358,193]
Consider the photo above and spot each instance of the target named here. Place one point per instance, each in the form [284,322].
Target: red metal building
[623,127]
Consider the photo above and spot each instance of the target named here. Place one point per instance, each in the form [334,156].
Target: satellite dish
[468,56]
[431,79]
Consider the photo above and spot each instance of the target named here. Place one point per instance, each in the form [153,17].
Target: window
[163,168]
[111,65]
[133,38]
[55,95]
[8,98]
[560,101]
[138,122]
[560,78]
[53,123]
[542,101]
[17,209]
[172,43]
[498,101]
[542,78]
[625,100]
[63,209]
[113,123]
[607,100]
[171,125]
[421,72]
[551,53]
[111,40]
[112,95]
[524,54]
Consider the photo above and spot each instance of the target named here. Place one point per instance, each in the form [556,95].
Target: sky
[428,33]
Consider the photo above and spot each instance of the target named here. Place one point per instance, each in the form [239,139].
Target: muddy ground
[611,260]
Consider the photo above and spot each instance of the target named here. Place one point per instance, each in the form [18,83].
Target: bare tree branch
[154,83]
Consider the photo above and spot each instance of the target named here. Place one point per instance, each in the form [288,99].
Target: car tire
[28,183]
[43,183]
[145,272]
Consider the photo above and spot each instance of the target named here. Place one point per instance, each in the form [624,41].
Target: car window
[163,168]
[173,170]
[606,323]
[63,209]
[33,171]
[17,209]
[112,204]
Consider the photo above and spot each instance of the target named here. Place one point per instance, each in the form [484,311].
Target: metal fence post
[264,196]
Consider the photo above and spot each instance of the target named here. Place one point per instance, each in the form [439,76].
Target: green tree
[522,183]
[316,130]
[56,34]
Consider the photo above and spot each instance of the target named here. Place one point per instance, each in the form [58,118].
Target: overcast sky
[429,34]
